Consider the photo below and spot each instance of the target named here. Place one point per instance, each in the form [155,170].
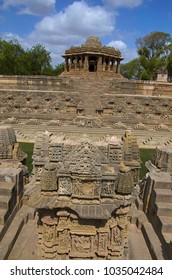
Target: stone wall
[105,101]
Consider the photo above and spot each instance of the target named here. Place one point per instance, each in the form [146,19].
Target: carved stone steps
[164,223]
[4,202]
[3,216]
[6,188]
[167,236]
[152,240]
[163,195]
[164,209]
[25,247]
[13,231]
[166,185]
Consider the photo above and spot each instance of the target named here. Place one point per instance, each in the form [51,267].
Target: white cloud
[127,53]
[118,45]
[72,26]
[78,20]
[69,27]
[33,7]
[8,36]
[122,3]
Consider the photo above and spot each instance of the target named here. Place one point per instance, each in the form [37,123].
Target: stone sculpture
[86,190]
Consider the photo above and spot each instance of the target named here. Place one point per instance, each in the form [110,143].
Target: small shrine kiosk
[92,57]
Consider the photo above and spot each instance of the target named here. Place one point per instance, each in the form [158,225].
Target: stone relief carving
[63,242]
[64,186]
[87,182]
[55,153]
[84,188]
[48,178]
[107,188]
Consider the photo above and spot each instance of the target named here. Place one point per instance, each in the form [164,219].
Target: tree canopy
[14,60]
[153,50]
[132,70]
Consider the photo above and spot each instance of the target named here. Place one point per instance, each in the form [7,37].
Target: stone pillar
[108,63]
[66,68]
[118,66]
[114,66]
[99,64]
[86,63]
[82,62]
[104,63]
[70,64]
[75,63]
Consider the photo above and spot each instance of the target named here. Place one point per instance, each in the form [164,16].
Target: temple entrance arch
[92,66]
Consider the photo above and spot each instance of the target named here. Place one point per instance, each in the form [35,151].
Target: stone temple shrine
[83,194]
[92,57]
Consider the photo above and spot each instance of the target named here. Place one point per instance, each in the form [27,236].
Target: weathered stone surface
[156,192]
[83,195]
[13,175]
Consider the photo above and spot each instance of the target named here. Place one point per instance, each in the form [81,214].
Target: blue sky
[60,24]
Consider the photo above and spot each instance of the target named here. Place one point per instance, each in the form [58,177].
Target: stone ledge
[21,218]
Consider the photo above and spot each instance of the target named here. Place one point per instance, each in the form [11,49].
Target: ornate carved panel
[86,159]
[55,153]
[64,186]
[102,244]
[114,154]
[63,242]
[82,246]
[38,171]
[107,188]
[86,188]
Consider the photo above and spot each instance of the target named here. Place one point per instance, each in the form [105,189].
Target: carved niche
[86,188]
[102,244]
[114,154]
[64,186]
[55,153]
[86,159]
[49,179]
[38,171]
[82,246]
[108,188]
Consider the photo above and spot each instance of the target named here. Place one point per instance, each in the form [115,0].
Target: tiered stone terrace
[92,104]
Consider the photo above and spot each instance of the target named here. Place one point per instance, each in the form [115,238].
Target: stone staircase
[7,202]
[150,237]
[160,215]
[13,231]
[92,86]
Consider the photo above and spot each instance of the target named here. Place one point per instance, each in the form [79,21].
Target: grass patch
[145,155]
[28,149]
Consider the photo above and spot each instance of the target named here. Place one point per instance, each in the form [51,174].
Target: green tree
[153,50]
[145,75]
[169,66]
[10,57]
[132,70]
[59,69]
[38,59]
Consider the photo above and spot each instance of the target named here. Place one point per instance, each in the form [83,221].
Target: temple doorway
[92,64]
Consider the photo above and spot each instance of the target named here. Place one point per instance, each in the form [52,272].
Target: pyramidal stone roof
[93,42]
[93,45]
[7,135]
